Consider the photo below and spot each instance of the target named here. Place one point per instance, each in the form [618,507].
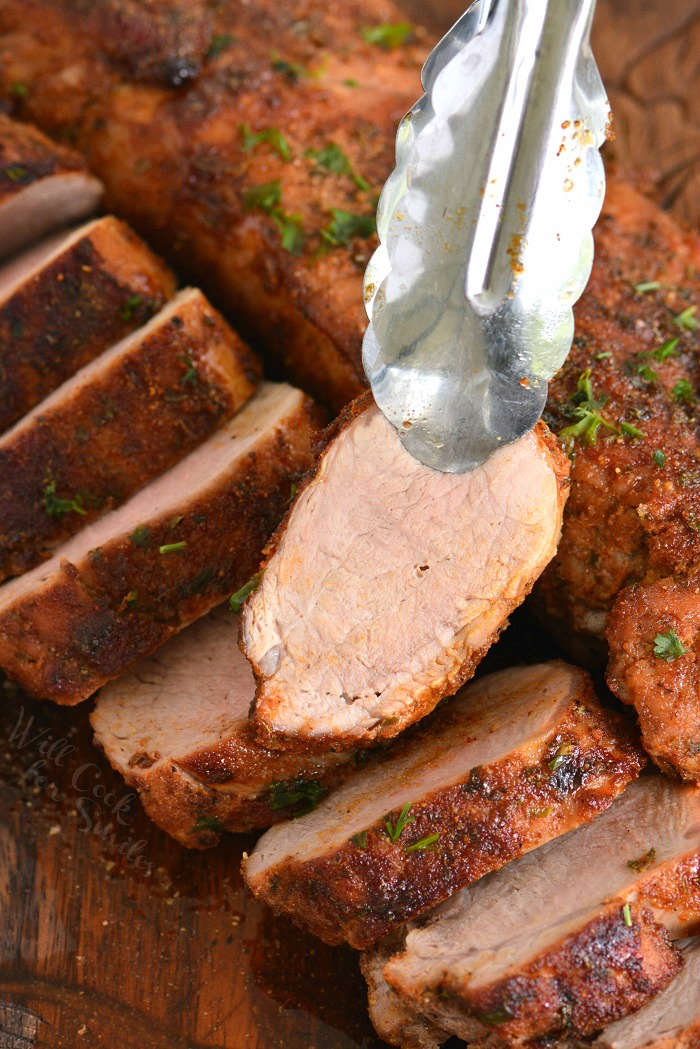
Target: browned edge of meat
[176,727]
[654,638]
[279,227]
[42,186]
[395,1019]
[101,287]
[272,705]
[121,421]
[140,574]
[635,485]
[483,819]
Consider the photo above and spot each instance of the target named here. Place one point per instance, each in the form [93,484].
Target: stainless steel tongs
[485,229]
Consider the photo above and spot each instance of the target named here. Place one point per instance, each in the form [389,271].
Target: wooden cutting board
[110,933]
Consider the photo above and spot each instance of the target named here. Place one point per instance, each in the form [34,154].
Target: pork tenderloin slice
[118,423]
[42,186]
[516,759]
[390,581]
[670,1021]
[654,637]
[67,300]
[569,938]
[177,548]
[177,729]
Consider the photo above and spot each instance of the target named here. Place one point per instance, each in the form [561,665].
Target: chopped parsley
[332,159]
[141,536]
[237,600]
[668,646]
[586,411]
[631,431]
[351,82]
[130,306]
[428,842]
[627,915]
[15,172]
[220,42]
[666,350]
[648,285]
[647,373]
[687,319]
[292,70]
[268,198]
[302,794]
[271,135]
[642,862]
[191,376]
[54,506]
[173,548]
[265,197]
[19,90]
[207,823]
[683,391]
[395,830]
[345,226]
[388,36]
[360,839]
[131,598]
[291,231]
[659,457]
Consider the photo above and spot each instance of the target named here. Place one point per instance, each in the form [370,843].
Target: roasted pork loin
[670,1021]
[118,423]
[389,581]
[248,146]
[42,185]
[65,301]
[517,758]
[177,728]
[560,942]
[177,548]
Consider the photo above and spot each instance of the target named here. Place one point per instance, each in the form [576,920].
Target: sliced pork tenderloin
[177,729]
[42,186]
[389,581]
[654,638]
[121,421]
[66,300]
[177,548]
[565,940]
[670,1021]
[517,758]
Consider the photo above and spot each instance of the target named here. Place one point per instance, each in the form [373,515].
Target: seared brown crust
[93,619]
[629,518]
[665,693]
[131,423]
[496,813]
[104,287]
[27,156]
[174,161]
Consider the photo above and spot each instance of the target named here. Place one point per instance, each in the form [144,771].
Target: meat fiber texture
[65,301]
[389,581]
[516,759]
[118,423]
[176,727]
[247,142]
[177,548]
[42,186]
[561,942]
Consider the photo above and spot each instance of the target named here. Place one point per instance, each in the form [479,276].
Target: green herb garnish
[645,286]
[646,372]
[271,135]
[141,536]
[351,82]
[560,757]
[586,410]
[627,915]
[345,226]
[496,1017]
[666,350]
[659,457]
[265,197]
[302,794]
[15,172]
[220,43]
[292,70]
[291,230]
[268,198]
[332,159]
[428,842]
[208,823]
[395,830]
[237,600]
[54,506]
[668,646]
[683,391]
[360,839]
[687,319]
[191,376]
[388,36]
[130,306]
[643,862]
[19,90]
[172,548]
[631,431]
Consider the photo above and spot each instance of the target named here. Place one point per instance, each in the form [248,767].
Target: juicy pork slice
[138,575]
[122,420]
[516,759]
[670,1021]
[563,941]
[177,729]
[654,636]
[42,186]
[66,300]
[389,581]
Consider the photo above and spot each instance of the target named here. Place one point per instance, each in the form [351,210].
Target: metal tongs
[485,229]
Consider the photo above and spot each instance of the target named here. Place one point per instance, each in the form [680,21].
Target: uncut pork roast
[389,581]
[42,185]
[560,942]
[176,727]
[517,758]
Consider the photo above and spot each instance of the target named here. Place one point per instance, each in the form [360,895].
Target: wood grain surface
[110,933]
